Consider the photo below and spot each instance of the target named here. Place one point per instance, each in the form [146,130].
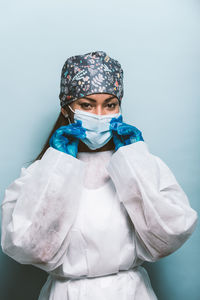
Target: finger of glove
[72,147]
[132,139]
[74,142]
[115,125]
[116,120]
[58,139]
[76,125]
[78,132]
[126,129]
[69,130]
[59,144]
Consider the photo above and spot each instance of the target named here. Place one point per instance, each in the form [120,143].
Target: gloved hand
[124,134]
[66,138]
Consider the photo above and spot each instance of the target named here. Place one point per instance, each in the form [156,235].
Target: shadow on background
[23,282]
[157,279]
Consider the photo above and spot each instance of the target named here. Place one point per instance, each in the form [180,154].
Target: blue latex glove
[66,138]
[124,134]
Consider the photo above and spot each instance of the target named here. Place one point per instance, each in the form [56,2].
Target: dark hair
[61,121]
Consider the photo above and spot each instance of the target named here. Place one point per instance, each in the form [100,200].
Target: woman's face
[99,104]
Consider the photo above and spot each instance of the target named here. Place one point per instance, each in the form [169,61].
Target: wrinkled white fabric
[91,221]
[96,174]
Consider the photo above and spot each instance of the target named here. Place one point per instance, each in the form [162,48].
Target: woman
[96,203]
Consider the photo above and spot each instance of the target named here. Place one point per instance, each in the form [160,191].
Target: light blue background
[158,45]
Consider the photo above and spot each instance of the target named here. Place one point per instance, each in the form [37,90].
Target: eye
[85,105]
[112,105]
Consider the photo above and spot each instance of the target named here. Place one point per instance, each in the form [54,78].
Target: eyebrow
[106,100]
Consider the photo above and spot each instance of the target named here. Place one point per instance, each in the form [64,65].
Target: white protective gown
[91,221]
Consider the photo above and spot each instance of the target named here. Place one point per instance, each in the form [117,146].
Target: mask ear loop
[67,116]
[71,109]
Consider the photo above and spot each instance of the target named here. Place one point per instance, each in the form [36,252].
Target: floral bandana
[91,73]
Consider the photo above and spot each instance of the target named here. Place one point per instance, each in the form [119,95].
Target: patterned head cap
[91,73]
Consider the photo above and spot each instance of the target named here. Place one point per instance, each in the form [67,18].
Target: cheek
[116,110]
[110,111]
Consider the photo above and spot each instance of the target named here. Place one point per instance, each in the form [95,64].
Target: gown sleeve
[156,204]
[39,208]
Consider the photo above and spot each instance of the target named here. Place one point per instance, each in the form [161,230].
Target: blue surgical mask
[97,127]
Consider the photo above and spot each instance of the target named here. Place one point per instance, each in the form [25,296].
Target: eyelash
[86,105]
